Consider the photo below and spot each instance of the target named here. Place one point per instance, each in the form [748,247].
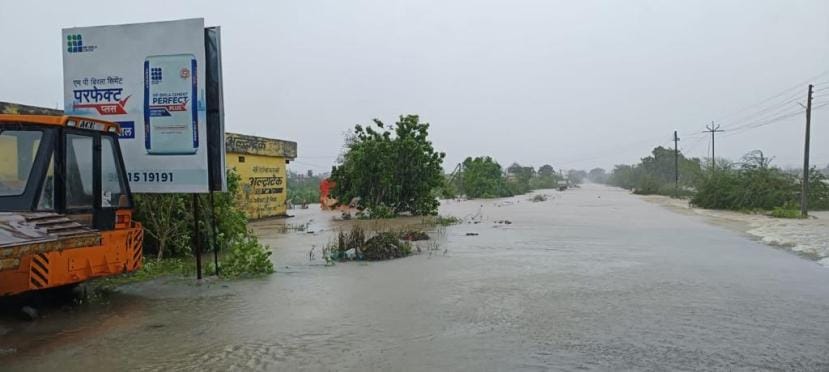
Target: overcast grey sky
[575,84]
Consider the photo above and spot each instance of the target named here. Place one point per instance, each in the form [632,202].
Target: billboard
[215,109]
[150,78]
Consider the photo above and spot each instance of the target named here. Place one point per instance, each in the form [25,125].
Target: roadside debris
[355,246]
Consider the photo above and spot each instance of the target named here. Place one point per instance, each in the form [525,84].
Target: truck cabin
[62,164]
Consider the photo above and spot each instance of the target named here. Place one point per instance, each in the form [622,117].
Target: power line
[755,125]
[777,95]
[694,144]
[790,101]
[765,121]
[783,97]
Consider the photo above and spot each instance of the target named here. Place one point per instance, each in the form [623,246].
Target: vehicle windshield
[17,155]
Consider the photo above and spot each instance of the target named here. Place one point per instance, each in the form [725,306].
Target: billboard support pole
[197,235]
[215,233]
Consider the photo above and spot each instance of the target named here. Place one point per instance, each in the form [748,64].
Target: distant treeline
[483,177]
[304,188]
[749,184]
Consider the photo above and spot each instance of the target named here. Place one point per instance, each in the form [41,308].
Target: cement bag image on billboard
[170,105]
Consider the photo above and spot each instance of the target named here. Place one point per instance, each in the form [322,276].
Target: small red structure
[326,201]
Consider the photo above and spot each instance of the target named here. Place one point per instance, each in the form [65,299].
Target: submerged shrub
[382,246]
[246,257]
[789,210]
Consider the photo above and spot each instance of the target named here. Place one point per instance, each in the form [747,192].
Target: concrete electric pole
[676,165]
[805,187]
[713,129]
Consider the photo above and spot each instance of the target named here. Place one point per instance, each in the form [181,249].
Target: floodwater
[593,279]
[808,237]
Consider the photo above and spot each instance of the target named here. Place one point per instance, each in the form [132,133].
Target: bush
[384,246]
[376,212]
[789,210]
[413,235]
[818,191]
[247,257]
[747,188]
[165,219]
[381,246]
[168,222]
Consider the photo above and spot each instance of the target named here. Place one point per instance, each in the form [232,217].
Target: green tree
[655,174]
[303,188]
[483,178]
[546,170]
[597,175]
[390,167]
[518,178]
[545,178]
[166,221]
[576,176]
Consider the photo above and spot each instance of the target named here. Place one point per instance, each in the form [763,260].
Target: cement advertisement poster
[149,78]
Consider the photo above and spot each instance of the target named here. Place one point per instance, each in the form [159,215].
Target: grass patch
[150,269]
[785,212]
[444,220]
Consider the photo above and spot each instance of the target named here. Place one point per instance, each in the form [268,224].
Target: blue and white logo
[74,44]
[155,75]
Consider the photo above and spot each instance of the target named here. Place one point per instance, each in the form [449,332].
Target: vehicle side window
[47,192]
[112,185]
[18,149]
[79,171]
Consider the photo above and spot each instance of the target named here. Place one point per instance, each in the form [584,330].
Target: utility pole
[460,169]
[805,187]
[713,129]
[676,165]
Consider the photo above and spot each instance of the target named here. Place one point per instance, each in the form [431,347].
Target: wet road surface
[593,279]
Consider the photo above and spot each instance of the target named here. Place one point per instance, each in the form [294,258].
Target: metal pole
[215,233]
[197,235]
[676,165]
[805,187]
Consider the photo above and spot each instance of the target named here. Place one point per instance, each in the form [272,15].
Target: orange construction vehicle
[65,203]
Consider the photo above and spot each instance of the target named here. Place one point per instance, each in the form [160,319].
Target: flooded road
[593,278]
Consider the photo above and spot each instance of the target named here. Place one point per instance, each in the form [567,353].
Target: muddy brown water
[592,279]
